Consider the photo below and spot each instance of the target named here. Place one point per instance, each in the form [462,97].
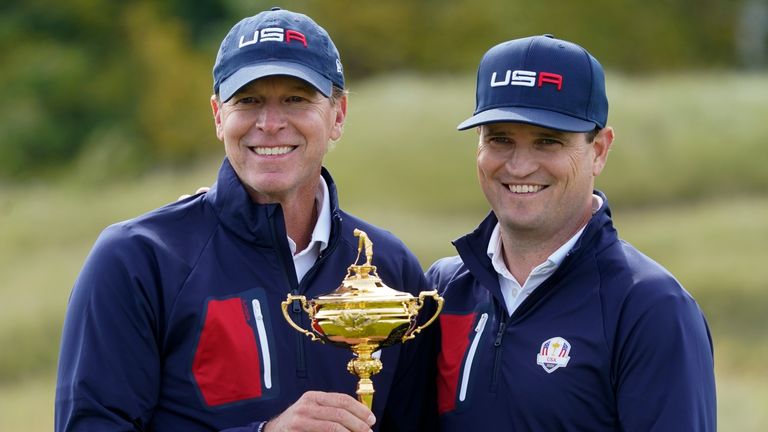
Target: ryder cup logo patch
[553,354]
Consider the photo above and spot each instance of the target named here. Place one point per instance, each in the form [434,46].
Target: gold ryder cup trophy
[363,315]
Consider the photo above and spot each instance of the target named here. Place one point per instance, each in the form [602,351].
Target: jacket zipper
[498,346]
[262,330]
[301,371]
[301,368]
[471,356]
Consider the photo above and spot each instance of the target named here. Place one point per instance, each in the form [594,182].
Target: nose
[271,118]
[521,161]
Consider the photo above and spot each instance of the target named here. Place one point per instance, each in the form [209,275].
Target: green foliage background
[93,80]
[107,116]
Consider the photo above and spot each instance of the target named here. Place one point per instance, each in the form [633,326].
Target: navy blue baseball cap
[542,81]
[277,42]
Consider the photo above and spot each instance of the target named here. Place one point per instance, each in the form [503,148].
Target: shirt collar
[322,232]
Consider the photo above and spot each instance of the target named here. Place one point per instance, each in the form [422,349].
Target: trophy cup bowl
[363,315]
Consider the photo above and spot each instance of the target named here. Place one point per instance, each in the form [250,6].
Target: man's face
[539,181]
[275,132]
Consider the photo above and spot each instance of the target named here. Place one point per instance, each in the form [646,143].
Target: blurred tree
[173,109]
[127,83]
[45,75]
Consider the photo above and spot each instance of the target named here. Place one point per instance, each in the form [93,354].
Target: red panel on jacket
[455,339]
[226,365]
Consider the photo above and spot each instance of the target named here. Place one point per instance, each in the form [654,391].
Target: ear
[602,144]
[341,115]
[217,118]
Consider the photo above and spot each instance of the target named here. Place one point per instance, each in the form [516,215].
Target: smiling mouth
[272,151]
[525,189]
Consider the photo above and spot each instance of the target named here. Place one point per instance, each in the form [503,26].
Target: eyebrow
[552,134]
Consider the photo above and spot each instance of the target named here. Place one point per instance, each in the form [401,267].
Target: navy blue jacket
[174,323]
[610,341]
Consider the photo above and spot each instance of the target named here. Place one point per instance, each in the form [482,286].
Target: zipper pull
[257,310]
[481,323]
[500,334]
[296,305]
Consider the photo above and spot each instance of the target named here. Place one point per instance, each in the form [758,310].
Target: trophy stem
[363,366]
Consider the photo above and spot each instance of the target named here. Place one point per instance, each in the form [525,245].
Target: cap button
[275,8]
[549,35]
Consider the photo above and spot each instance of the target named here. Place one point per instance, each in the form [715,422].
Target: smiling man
[551,322]
[175,324]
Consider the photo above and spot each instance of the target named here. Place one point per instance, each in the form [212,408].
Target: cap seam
[591,84]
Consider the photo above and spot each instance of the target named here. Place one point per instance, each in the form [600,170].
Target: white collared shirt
[513,292]
[305,259]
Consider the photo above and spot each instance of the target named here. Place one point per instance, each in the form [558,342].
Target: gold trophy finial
[362,271]
[363,315]
[364,242]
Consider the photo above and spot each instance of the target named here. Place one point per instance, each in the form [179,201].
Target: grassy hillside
[686,177]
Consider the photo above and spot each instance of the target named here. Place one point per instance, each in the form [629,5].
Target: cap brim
[533,116]
[243,76]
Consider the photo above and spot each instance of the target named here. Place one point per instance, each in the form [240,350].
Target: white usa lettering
[268,34]
[516,78]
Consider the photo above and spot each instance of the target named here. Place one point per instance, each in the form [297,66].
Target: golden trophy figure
[363,315]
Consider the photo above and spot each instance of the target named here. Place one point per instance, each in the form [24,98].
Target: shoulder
[384,242]
[635,287]
[177,229]
[628,270]
[445,269]
[395,262]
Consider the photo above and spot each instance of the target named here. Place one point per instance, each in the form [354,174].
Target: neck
[521,255]
[299,210]
[523,251]
[300,220]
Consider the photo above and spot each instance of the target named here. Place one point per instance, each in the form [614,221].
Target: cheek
[485,162]
[580,164]
[482,169]
[235,124]
[574,166]
[485,171]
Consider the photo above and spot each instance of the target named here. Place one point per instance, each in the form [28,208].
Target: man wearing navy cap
[551,322]
[174,323]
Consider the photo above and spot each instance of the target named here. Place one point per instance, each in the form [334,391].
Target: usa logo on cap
[543,81]
[277,42]
[554,354]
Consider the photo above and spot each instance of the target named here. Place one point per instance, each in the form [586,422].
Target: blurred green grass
[686,179]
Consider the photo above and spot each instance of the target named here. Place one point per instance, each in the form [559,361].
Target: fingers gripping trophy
[363,315]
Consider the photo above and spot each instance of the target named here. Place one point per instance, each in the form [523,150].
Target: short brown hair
[591,135]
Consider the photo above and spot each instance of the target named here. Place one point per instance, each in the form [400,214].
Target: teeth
[525,188]
[271,151]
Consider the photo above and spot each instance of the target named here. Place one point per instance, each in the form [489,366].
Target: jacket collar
[473,247]
[262,224]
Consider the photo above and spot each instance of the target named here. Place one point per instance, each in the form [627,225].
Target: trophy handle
[284,305]
[422,295]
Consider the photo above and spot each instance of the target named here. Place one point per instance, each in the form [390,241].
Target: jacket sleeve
[412,402]
[663,364]
[109,364]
